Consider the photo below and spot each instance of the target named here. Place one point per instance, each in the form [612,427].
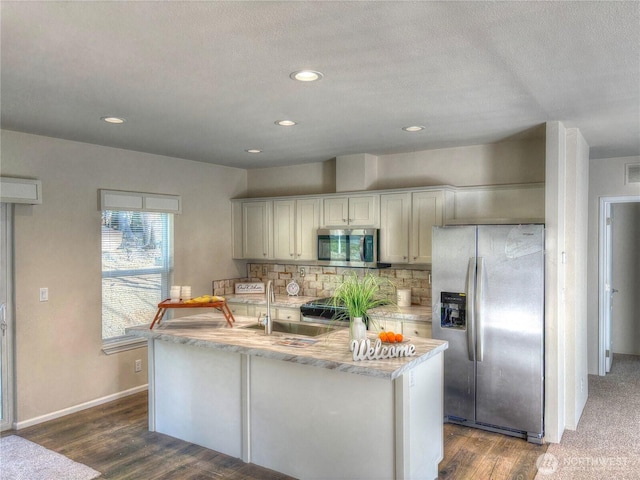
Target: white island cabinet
[310,412]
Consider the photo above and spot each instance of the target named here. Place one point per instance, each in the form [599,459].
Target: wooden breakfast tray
[166,304]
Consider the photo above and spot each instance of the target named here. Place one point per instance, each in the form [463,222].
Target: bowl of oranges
[391,337]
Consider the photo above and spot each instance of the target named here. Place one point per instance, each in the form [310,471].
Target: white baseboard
[78,408]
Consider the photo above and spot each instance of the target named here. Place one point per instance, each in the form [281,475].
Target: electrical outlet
[264,270]
[44,294]
[302,271]
[138,367]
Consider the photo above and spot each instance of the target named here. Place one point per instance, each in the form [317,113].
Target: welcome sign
[363,350]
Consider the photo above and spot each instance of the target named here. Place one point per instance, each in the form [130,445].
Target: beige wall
[626,278]
[606,179]
[500,163]
[59,361]
[492,164]
[311,178]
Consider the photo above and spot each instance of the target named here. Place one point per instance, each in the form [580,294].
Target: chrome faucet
[271,297]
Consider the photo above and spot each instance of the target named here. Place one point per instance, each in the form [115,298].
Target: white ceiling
[207,80]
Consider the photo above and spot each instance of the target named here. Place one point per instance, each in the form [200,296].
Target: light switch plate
[44,294]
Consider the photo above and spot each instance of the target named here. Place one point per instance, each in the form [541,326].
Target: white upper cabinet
[284,229]
[307,224]
[351,211]
[395,214]
[406,222]
[256,230]
[426,212]
[294,229]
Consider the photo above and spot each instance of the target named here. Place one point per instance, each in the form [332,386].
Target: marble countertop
[418,313]
[331,350]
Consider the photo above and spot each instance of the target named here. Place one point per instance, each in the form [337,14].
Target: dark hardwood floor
[476,454]
[114,439]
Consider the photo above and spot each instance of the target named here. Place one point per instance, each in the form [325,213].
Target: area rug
[606,444]
[21,459]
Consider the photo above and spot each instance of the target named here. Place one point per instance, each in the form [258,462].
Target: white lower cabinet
[238,309]
[416,329]
[381,324]
[257,311]
[288,314]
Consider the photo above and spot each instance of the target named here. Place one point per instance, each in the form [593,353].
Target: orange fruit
[382,336]
[391,337]
[399,337]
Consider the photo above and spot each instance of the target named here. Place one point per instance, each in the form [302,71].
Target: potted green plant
[359,294]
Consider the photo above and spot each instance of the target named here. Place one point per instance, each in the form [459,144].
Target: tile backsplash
[319,281]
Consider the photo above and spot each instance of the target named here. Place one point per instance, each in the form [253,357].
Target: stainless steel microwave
[356,247]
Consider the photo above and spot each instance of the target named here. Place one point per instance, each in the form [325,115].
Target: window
[137,268]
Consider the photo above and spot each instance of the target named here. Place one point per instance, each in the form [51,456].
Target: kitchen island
[297,405]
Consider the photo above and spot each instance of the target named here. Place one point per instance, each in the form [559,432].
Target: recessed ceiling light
[306,75]
[285,123]
[114,120]
[413,128]
[253,150]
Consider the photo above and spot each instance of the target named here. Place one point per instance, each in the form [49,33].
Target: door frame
[605,250]
[7,375]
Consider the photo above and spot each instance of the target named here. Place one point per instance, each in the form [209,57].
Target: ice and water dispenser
[453,310]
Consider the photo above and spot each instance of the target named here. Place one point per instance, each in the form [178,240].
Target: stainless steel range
[323,310]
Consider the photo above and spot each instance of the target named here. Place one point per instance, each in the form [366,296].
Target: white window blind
[137,266]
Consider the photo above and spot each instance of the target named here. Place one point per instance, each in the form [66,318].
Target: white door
[6,320]
[608,287]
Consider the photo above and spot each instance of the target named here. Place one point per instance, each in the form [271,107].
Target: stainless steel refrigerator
[488,303]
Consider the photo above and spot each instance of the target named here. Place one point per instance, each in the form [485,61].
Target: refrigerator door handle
[478,310]
[471,308]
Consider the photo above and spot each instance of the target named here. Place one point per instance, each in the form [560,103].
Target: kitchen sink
[295,328]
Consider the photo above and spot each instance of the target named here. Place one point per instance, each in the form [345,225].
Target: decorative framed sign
[252,287]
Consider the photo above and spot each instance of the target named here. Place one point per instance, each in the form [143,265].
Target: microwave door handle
[362,248]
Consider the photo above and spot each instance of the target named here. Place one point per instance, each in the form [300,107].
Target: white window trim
[135,201]
[20,190]
[141,202]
